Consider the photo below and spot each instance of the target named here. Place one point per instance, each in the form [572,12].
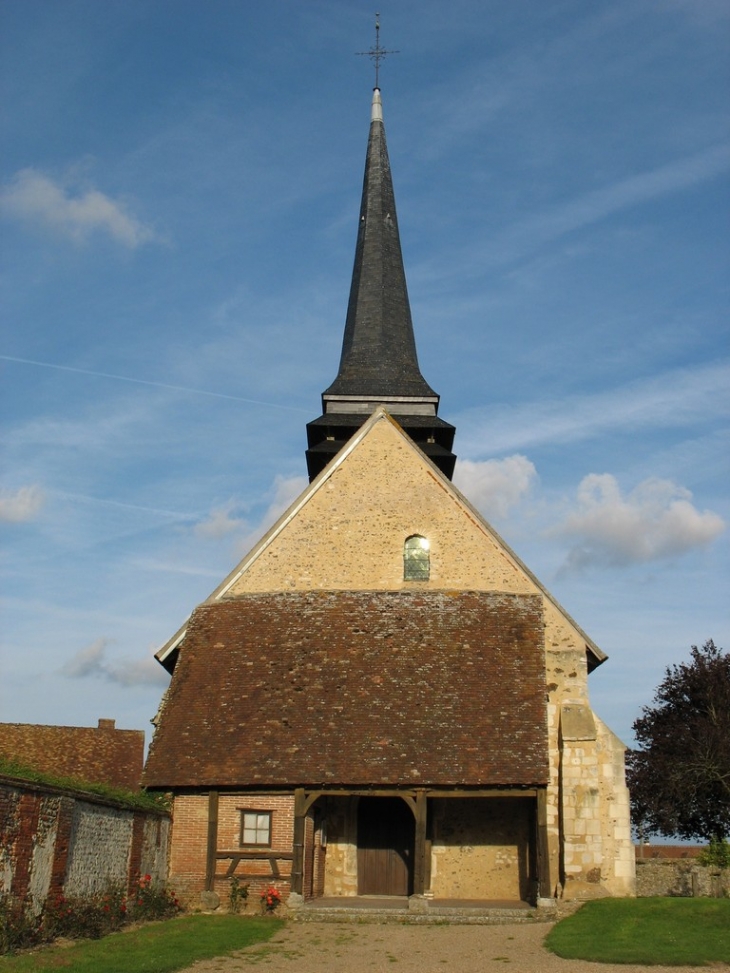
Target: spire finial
[377,53]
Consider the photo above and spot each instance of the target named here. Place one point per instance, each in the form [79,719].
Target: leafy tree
[680,776]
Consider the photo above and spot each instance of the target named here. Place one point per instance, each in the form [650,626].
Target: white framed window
[416,558]
[256,828]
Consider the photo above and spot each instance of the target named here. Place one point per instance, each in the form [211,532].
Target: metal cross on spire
[377,53]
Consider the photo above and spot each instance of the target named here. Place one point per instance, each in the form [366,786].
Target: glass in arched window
[416,559]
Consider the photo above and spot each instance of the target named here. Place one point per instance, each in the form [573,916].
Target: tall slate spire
[379,364]
[379,351]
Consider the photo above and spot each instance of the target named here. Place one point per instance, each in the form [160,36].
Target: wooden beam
[419,861]
[285,856]
[379,792]
[212,840]
[313,793]
[412,804]
[544,885]
[300,812]
[310,798]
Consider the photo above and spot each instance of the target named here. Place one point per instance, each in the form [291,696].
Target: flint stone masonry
[57,841]
[680,877]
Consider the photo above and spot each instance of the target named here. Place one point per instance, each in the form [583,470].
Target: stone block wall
[680,878]
[57,841]
[597,853]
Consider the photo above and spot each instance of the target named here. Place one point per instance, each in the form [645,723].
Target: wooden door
[385,842]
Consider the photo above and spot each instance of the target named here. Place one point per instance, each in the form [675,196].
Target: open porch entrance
[438,844]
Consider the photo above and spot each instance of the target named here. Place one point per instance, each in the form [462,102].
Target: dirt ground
[321,947]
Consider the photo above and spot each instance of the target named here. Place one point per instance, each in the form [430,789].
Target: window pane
[416,559]
[255,827]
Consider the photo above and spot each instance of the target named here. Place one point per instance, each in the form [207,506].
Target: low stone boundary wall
[680,877]
[57,841]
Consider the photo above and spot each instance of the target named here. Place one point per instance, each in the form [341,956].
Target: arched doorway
[385,845]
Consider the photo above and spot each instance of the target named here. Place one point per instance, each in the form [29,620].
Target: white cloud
[626,193]
[284,491]
[673,399]
[219,522]
[541,228]
[138,672]
[495,486]
[91,662]
[33,197]
[22,505]
[655,520]
[87,662]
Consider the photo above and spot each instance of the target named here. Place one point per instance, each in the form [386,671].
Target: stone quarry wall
[57,841]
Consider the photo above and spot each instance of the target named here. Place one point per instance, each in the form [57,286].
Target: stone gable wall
[56,842]
[348,537]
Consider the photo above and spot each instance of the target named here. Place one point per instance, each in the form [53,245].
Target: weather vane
[377,53]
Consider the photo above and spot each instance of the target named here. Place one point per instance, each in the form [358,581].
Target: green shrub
[136,800]
[237,896]
[717,854]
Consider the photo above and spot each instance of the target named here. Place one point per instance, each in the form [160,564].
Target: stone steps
[419,913]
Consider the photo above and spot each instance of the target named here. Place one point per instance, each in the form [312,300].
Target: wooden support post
[212,840]
[544,885]
[300,813]
[419,862]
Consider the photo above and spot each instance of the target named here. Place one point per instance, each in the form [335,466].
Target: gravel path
[322,947]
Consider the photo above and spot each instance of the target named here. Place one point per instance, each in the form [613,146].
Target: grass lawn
[160,947]
[662,931]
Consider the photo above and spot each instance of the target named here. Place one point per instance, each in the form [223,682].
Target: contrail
[142,381]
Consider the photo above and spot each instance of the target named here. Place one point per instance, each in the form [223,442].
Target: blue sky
[178,205]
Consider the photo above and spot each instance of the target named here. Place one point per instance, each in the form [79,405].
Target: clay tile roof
[356,688]
[98,755]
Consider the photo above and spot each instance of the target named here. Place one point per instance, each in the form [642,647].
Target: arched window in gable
[416,558]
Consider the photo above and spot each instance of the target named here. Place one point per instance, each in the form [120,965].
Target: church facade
[381,699]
